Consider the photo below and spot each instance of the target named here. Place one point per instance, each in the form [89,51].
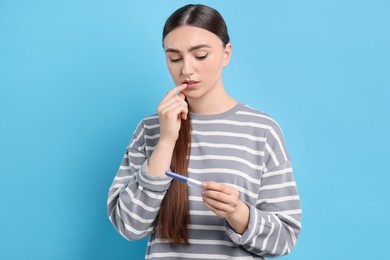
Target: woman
[248,206]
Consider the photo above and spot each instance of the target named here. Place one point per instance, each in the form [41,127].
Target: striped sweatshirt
[243,148]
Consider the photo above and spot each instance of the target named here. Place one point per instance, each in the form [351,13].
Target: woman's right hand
[171,110]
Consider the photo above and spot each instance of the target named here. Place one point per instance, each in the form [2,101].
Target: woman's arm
[135,197]
[171,110]
[140,185]
[269,227]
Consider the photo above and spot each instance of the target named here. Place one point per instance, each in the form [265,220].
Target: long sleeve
[135,197]
[275,220]
[241,147]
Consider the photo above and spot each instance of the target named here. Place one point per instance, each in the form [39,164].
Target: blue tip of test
[176,176]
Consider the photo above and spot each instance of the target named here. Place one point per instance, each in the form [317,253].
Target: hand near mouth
[171,110]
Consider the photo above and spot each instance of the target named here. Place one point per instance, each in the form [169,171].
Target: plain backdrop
[76,77]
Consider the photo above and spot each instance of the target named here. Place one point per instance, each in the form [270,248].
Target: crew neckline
[217,116]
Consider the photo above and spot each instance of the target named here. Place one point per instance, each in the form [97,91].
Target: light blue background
[77,76]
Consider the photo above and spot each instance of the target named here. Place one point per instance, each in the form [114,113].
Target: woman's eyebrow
[193,48]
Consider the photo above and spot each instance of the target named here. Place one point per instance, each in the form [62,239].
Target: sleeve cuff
[149,182]
[250,231]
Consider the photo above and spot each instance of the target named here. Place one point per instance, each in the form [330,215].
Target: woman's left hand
[224,201]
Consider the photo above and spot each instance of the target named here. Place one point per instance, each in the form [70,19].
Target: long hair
[173,218]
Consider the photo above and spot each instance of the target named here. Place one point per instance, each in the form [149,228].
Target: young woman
[248,205]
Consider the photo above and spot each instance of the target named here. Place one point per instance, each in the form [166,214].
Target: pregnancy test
[184,179]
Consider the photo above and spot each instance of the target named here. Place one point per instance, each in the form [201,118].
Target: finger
[218,196]
[217,206]
[211,185]
[222,210]
[183,114]
[172,102]
[174,110]
[181,95]
[173,92]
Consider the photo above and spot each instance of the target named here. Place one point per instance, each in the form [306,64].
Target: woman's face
[196,57]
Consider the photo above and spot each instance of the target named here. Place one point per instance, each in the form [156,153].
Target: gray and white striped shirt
[243,148]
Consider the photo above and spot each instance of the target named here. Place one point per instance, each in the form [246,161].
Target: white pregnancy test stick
[184,179]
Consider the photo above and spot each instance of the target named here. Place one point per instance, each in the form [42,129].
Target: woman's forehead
[188,37]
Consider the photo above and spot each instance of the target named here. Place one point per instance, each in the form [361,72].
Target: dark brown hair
[173,218]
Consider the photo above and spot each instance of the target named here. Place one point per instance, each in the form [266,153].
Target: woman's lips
[191,83]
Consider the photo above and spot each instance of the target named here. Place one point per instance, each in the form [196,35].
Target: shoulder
[273,132]
[150,120]
[148,123]
[250,114]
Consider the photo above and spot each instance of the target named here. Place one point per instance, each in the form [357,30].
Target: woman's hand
[171,110]
[224,201]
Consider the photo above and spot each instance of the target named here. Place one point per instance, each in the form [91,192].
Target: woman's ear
[227,54]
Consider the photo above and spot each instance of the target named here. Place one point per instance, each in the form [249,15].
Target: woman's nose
[188,68]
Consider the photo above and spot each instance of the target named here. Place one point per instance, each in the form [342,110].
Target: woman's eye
[174,60]
[201,57]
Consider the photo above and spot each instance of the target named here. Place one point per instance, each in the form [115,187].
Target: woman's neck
[214,103]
